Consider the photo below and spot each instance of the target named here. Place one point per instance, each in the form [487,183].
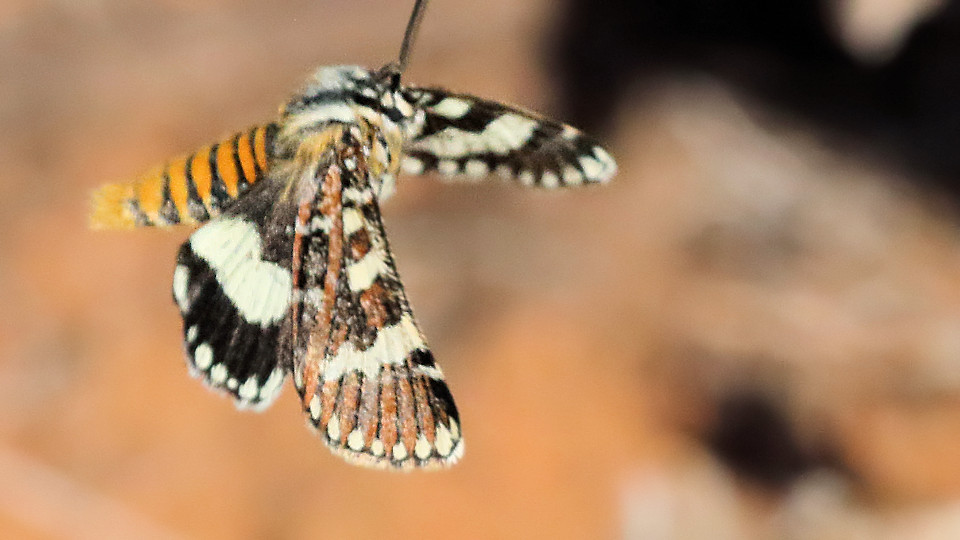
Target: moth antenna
[419,8]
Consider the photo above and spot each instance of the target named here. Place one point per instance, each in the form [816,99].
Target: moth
[291,272]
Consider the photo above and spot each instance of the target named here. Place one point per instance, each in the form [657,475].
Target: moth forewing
[367,380]
[465,137]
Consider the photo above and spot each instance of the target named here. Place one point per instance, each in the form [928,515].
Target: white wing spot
[319,223]
[352,221]
[218,373]
[203,356]
[248,390]
[272,386]
[333,428]
[505,171]
[432,372]
[592,169]
[476,168]
[355,440]
[376,447]
[442,441]
[412,165]
[514,130]
[192,334]
[297,380]
[607,163]
[454,429]
[422,448]
[232,383]
[604,157]
[181,278]
[571,175]
[315,407]
[448,167]
[404,107]
[549,179]
[526,178]
[399,452]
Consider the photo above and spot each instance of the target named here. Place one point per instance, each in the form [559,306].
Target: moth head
[351,93]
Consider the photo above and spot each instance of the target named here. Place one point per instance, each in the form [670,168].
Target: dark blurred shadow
[904,109]
[754,437]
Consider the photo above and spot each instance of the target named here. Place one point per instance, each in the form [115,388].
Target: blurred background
[753,332]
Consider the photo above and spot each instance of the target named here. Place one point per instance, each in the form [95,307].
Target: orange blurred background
[590,337]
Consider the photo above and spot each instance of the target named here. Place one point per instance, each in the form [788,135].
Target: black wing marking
[232,285]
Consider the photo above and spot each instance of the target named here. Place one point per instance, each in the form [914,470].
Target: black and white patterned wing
[465,137]
[367,380]
[232,284]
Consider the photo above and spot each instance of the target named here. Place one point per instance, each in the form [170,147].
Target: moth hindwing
[292,272]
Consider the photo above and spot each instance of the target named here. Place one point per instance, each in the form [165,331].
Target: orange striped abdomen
[189,189]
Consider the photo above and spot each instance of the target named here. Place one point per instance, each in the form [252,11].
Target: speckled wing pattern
[367,380]
[465,137]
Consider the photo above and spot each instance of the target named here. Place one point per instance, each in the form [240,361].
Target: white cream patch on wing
[364,272]
[260,290]
[352,221]
[451,108]
[501,136]
[392,347]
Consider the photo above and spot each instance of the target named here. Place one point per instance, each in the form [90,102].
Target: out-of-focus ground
[588,336]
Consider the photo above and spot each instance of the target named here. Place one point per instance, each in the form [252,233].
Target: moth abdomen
[189,189]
